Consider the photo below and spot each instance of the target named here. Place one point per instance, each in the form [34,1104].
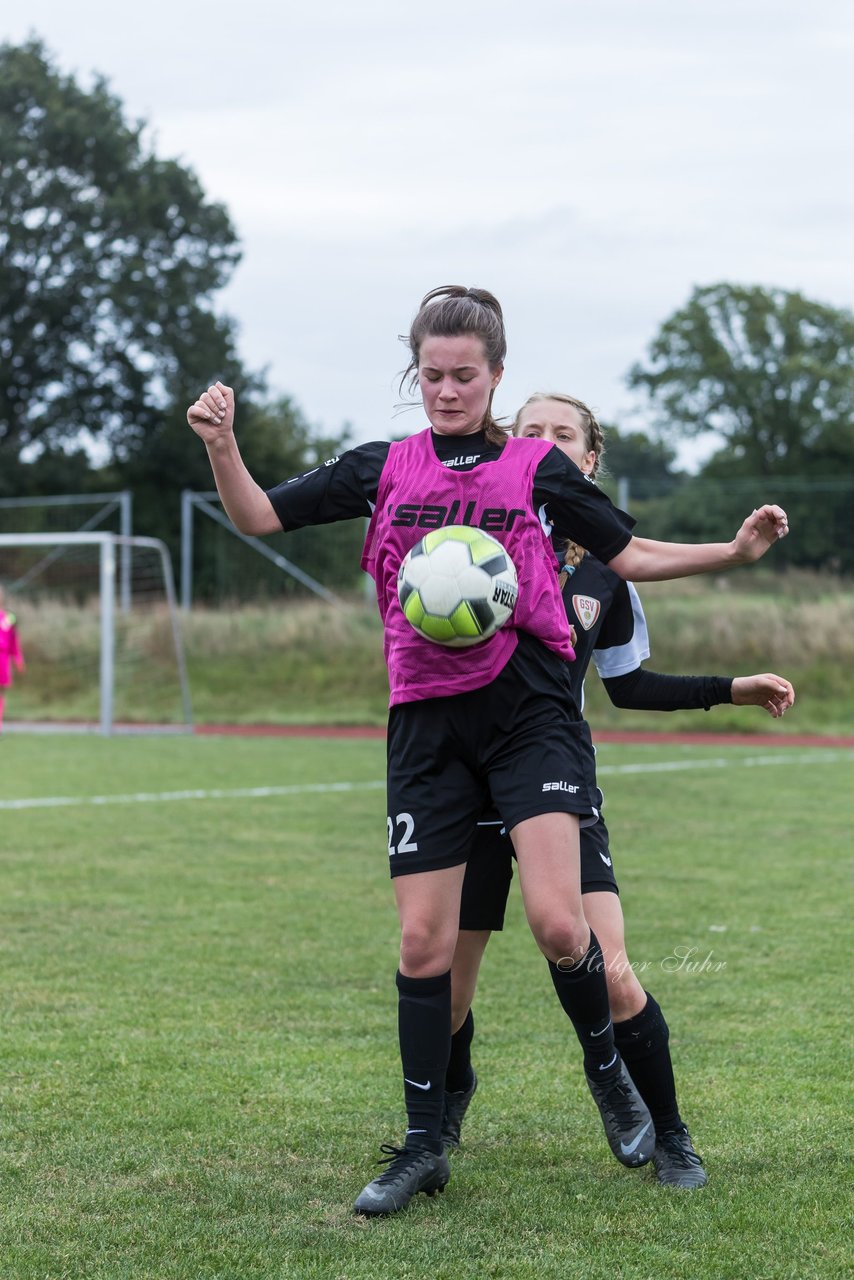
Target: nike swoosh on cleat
[594,1035]
[416,1084]
[633,1146]
[606,1065]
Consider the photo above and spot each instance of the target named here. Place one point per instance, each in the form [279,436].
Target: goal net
[99,629]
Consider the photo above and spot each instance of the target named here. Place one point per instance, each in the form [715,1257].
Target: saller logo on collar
[435,516]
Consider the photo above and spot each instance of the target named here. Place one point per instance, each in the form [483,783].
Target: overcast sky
[588,163]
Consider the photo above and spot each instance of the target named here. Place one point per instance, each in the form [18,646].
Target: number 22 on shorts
[405,844]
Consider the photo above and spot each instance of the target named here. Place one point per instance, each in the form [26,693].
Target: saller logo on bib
[586,610]
[433,515]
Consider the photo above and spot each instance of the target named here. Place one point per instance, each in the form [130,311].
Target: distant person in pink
[10,650]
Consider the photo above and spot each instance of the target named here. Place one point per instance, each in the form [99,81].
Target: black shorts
[490,870]
[518,743]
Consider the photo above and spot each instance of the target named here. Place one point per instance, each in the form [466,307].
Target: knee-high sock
[459,1074]
[583,994]
[643,1042]
[424,1024]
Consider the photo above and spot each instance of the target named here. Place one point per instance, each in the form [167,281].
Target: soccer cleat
[628,1124]
[676,1162]
[456,1106]
[409,1171]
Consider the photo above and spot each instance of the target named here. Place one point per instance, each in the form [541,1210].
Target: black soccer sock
[424,1024]
[459,1075]
[643,1042]
[583,993]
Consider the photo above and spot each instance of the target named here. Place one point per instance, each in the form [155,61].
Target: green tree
[109,260]
[770,371]
[647,464]
[109,257]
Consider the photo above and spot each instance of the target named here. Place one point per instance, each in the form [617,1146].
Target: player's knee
[562,939]
[425,951]
[461,999]
[459,1010]
[626,996]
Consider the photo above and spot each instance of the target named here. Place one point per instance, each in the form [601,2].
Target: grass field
[198,1056]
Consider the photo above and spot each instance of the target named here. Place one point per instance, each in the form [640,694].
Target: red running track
[650,738]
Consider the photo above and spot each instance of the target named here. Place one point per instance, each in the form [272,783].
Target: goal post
[66,585]
[40,514]
[192,501]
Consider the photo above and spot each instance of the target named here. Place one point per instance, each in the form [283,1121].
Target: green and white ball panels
[457,586]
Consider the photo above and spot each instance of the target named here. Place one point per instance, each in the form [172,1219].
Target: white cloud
[590,164]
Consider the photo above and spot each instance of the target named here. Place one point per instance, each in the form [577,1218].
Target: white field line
[819,756]
[164,797]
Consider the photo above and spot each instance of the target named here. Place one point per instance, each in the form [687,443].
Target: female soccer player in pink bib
[497,720]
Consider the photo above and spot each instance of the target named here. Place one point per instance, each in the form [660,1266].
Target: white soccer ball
[457,586]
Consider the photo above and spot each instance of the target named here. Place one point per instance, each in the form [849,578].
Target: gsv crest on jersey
[587,610]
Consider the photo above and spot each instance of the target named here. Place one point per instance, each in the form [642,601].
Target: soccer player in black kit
[504,719]
[610,628]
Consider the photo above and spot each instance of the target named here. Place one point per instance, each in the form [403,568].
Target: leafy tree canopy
[108,260]
[771,371]
[276,442]
[635,456]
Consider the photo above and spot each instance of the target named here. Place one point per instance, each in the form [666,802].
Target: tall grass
[304,661]
[798,626]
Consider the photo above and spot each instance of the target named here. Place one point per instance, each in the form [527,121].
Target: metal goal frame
[111,545]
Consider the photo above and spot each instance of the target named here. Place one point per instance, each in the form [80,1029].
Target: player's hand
[774,693]
[212,415]
[759,532]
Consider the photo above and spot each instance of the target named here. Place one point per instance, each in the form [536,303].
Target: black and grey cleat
[409,1171]
[676,1162]
[628,1124]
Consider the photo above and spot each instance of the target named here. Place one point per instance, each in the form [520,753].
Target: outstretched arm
[247,505]
[642,690]
[644,560]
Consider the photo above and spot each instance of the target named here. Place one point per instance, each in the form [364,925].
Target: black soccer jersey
[610,629]
[606,611]
[346,487]
[609,624]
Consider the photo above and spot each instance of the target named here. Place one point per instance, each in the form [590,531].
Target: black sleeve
[641,690]
[340,489]
[579,510]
